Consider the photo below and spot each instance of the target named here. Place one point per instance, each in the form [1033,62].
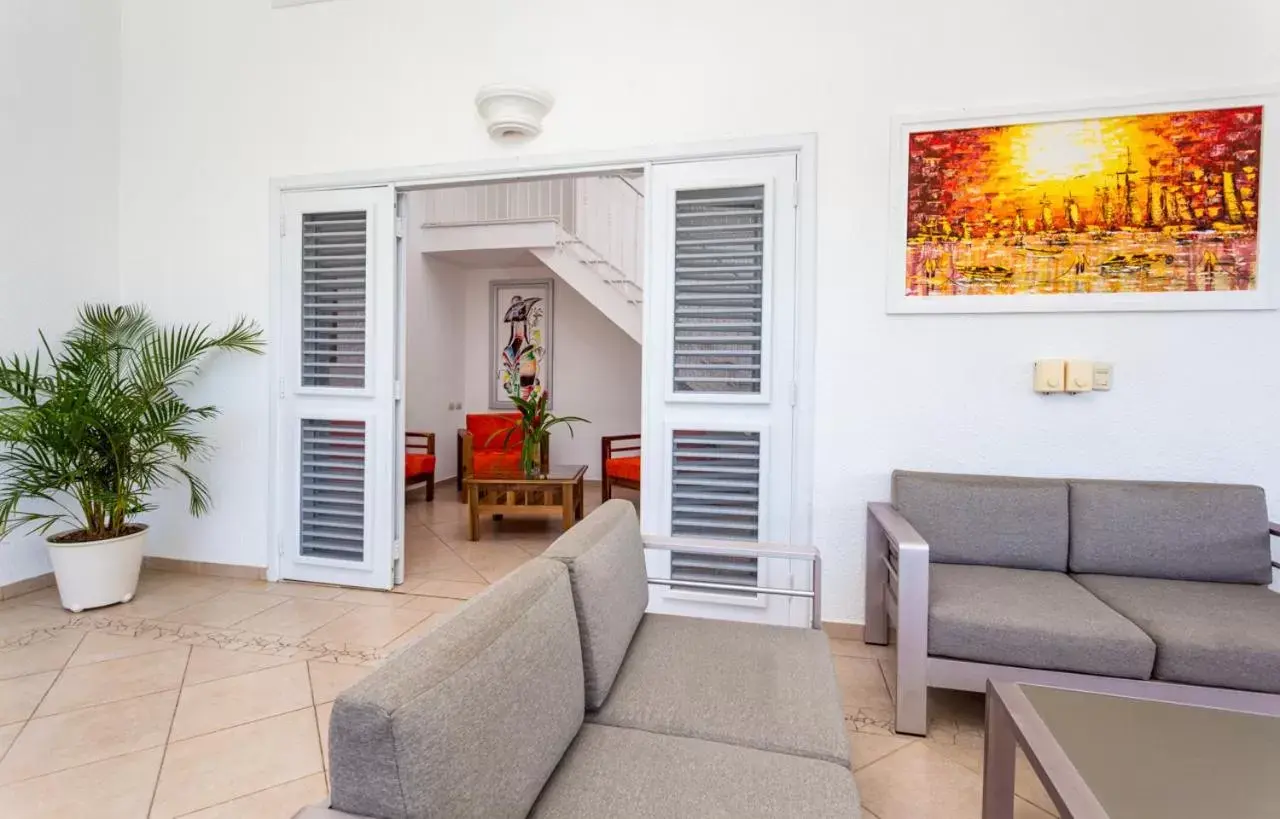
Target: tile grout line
[246,795]
[27,720]
[164,753]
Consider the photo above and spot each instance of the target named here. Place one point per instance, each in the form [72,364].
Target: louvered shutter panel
[715,494]
[334,300]
[719,290]
[332,481]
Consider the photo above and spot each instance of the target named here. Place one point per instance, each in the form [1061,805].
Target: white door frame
[499,168]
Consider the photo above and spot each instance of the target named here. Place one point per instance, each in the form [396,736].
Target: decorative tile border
[300,648]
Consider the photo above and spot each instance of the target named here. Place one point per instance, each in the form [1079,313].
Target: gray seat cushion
[472,719]
[985,520]
[605,557]
[1031,619]
[1225,635]
[766,687]
[1179,531]
[619,772]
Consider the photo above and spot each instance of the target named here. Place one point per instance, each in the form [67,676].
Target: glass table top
[555,472]
[1156,760]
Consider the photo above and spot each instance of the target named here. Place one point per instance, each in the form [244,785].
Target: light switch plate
[1102,372]
[1079,376]
[1050,375]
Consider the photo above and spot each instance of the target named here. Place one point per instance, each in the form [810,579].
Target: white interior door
[338,449]
[719,363]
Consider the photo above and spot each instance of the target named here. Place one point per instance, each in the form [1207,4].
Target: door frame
[403,179]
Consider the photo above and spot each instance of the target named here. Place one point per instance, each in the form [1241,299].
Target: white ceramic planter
[98,573]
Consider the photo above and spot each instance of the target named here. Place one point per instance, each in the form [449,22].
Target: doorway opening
[529,287]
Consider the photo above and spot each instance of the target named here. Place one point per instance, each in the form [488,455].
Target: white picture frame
[1262,297]
[541,320]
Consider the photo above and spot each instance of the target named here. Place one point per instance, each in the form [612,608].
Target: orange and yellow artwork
[1148,203]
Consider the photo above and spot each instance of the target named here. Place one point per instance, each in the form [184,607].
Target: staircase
[588,230]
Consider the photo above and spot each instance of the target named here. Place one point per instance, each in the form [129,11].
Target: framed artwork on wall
[520,343]
[1155,205]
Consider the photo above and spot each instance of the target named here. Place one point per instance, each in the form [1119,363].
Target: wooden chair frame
[609,448]
[412,444]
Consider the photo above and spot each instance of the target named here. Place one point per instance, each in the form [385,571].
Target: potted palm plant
[89,431]
[535,428]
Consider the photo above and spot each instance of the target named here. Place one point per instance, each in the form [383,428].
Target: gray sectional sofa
[553,694]
[1154,590]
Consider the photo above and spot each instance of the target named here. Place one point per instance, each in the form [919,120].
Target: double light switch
[1062,375]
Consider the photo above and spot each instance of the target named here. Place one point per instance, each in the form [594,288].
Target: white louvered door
[337,445]
[719,367]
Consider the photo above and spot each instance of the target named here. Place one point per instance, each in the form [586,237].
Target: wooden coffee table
[556,492]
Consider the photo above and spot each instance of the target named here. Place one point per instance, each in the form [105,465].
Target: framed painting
[1143,206]
[520,351]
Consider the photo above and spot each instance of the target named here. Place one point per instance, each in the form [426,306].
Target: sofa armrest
[897,574]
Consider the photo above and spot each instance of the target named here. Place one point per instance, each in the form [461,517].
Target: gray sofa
[553,694]
[1154,590]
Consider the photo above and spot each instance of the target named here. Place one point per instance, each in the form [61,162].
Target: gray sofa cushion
[619,772]
[472,719]
[605,557]
[1031,619]
[986,520]
[1179,531]
[1225,635]
[766,687]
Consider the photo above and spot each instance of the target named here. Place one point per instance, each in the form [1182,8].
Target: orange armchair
[420,460]
[620,463]
[483,447]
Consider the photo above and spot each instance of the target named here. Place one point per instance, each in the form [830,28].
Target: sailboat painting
[1099,209]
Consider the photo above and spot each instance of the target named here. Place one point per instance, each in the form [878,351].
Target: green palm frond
[89,431]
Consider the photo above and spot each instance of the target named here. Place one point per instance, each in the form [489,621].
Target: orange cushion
[627,468]
[489,463]
[483,426]
[419,464]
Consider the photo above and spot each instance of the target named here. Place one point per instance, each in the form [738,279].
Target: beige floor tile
[44,597]
[231,701]
[114,680]
[966,748]
[369,626]
[16,618]
[280,802]
[857,648]
[211,769]
[458,573]
[116,788]
[98,646]
[8,733]
[323,713]
[306,590]
[295,617]
[20,695]
[225,610]
[328,680]
[416,633]
[208,664]
[50,744]
[493,560]
[889,670]
[861,683]
[868,748]
[369,597]
[435,605]
[449,588]
[164,599]
[917,782]
[49,654]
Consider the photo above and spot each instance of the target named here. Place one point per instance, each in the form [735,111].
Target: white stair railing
[603,217]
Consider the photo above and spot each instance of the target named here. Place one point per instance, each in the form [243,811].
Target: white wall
[59,141]
[595,367]
[221,95]
[435,299]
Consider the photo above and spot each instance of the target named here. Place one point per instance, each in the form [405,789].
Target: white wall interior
[435,299]
[595,366]
[59,142]
[219,96]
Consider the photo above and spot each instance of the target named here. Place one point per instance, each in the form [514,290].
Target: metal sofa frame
[897,577]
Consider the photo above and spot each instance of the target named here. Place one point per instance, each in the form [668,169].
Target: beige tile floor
[210,697]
